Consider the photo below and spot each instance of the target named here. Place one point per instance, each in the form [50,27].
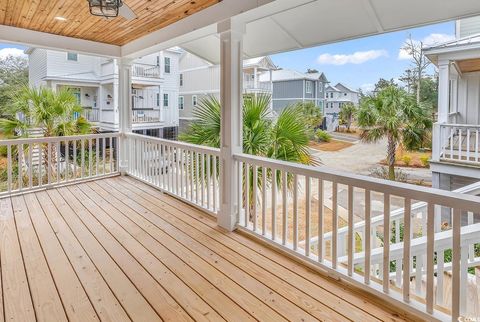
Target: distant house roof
[340,87]
[461,44]
[264,62]
[290,74]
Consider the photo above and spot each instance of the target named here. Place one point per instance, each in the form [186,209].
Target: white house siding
[467,27]
[58,65]
[37,67]
[469,99]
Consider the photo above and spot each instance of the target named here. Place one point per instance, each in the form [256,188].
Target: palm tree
[394,114]
[53,113]
[347,113]
[283,139]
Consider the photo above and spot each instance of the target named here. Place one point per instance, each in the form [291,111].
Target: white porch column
[443,90]
[255,78]
[231,70]
[124,108]
[270,72]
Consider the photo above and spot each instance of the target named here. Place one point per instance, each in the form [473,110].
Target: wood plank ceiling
[469,65]
[152,15]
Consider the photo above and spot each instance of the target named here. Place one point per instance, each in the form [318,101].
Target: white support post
[124,109]
[271,88]
[231,70]
[443,90]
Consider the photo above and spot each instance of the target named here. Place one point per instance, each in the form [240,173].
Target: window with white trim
[167,65]
[194,100]
[181,102]
[308,87]
[181,79]
[158,99]
[165,100]
[72,56]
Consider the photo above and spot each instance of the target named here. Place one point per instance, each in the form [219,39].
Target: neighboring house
[336,96]
[199,78]
[94,80]
[456,136]
[291,87]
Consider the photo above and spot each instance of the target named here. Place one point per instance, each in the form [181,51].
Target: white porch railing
[145,70]
[460,143]
[291,205]
[260,86]
[91,114]
[35,163]
[146,116]
[187,171]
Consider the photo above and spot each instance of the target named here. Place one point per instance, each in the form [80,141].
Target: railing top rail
[57,138]
[144,64]
[439,197]
[181,145]
[460,125]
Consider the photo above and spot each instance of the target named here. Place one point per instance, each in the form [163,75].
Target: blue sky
[357,63]
[376,56]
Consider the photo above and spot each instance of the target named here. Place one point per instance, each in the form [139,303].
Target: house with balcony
[338,95]
[119,226]
[199,78]
[291,87]
[94,81]
[456,137]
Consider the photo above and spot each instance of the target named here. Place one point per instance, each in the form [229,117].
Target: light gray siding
[288,89]
[37,67]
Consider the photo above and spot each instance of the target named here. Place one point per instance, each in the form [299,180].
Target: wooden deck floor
[116,249]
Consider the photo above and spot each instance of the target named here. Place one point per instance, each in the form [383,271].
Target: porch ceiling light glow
[105,8]
[60,18]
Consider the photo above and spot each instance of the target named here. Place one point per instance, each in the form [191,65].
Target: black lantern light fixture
[105,8]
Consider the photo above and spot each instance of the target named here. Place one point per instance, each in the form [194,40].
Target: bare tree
[420,63]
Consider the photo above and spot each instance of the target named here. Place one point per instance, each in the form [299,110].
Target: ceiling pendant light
[105,8]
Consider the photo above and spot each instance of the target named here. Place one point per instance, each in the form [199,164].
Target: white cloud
[358,57]
[428,41]
[5,52]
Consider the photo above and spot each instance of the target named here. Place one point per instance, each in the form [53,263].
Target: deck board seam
[73,266]
[44,257]
[226,276]
[188,235]
[98,270]
[203,222]
[159,259]
[133,256]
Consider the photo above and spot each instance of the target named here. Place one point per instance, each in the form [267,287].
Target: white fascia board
[196,26]
[50,41]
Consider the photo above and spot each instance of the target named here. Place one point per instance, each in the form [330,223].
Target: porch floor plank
[117,249]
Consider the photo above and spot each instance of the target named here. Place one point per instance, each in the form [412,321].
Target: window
[308,87]
[158,60]
[72,56]
[194,100]
[181,102]
[167,65]
[158,99]
[181,79]
[344,94]
[331,95]
[165,100]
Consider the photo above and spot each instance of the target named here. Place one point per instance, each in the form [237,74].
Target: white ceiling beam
[286,33]
[50,41]
[190,28]
[367,4]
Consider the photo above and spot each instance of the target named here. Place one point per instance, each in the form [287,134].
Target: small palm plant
[393,114]
[347,114]
[42,109]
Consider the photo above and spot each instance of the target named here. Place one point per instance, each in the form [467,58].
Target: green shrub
[3,151]
[425,160]
[323,136]
[407,159]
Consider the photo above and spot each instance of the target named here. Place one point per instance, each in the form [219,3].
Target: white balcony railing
[146,71]
[184,170]
[91,114]
[459,143]
[146,116]
[311,213]
[336,221]
[33,163]
[260,86]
